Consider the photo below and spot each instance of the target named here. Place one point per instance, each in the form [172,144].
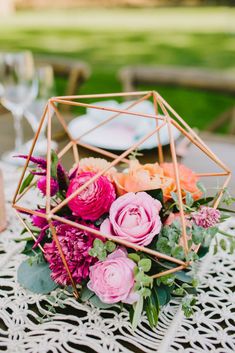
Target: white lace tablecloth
[83,328]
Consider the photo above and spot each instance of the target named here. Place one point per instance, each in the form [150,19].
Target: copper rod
[29,230]
[103,95]
[211,174]
[61,120]
[167,272]
[198,144]
[48,171]
[25,191]
[178,187]
[213,156]
[79,104]
[218,199]
[28,211]
[113,163]
[75,153]
[113,117]
[118,240]
[56,240]
[160,150]
[30,153]
[101,151]
[65,149]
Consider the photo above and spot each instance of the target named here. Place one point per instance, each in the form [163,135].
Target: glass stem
[18,115]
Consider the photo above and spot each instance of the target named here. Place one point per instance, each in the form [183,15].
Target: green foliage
[100,249]
[152,308]
[28,179]
[36,277]
[54,164]
[156,194]
[134,256]
[138,308]
[98,303]
[187,304]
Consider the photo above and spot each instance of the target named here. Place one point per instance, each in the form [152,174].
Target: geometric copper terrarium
[164,116]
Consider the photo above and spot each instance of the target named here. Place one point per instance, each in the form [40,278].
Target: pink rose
[112,280]
[134,217]
[94,200]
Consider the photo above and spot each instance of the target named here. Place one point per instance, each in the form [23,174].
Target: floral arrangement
[137,204]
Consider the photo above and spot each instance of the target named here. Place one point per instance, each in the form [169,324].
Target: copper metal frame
[168,117]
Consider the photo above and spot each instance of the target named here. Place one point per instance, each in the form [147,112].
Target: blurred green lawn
[108,39]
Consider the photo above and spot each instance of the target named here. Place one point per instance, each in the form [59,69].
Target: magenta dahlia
[38,221]
[206,217]
[75,244]
[95,200]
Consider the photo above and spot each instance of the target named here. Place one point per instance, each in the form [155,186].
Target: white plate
[116,136]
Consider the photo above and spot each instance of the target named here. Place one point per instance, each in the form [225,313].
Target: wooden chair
[133,76]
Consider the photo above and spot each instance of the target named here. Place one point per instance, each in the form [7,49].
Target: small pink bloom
[38,221]
[95,200]
[112,280]
[134,217]
[42,185]
[206,217]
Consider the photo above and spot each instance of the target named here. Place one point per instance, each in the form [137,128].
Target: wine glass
[45,81]
[18,89]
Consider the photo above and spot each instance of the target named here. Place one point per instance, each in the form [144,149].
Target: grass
[109,39]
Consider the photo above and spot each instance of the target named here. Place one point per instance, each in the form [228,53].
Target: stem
[18,115]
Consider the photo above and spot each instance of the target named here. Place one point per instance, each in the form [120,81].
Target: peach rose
[143,177]
[94,165]
[188,179]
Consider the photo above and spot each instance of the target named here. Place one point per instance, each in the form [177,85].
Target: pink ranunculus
[112,280]
[134,217]
[42,185]
[94,200]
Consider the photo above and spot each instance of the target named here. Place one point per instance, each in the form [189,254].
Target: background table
[84,328]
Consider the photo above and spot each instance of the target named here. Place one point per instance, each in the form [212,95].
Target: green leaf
[178,252]
[156,194]
[203,250]
[102,255]
[168,280]
[145,264]
[183,277]
[110,246]
[179,291]
[174,197]
[36,277]
[26,182]
[189,199]
[144,279]
[198,234]
[138,308]
[163,247]
[54,164]
[187,304]
[135,257]
[86,294]
[98,303]
[202,188]
[145,292]
[163,293]
[203,201]
[223,244]
[226,210]
[151,307]
[98,244]
[92,252]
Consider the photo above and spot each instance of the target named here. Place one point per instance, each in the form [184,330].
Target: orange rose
[143,177]
[188,179]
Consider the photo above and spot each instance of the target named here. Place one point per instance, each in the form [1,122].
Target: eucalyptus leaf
[133,256]
[145,264]
[98,303]
[163,293]
[137,312]
[36,277]
[183,277]
[86,294]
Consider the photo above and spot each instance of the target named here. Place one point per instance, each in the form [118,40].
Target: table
[83,328]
